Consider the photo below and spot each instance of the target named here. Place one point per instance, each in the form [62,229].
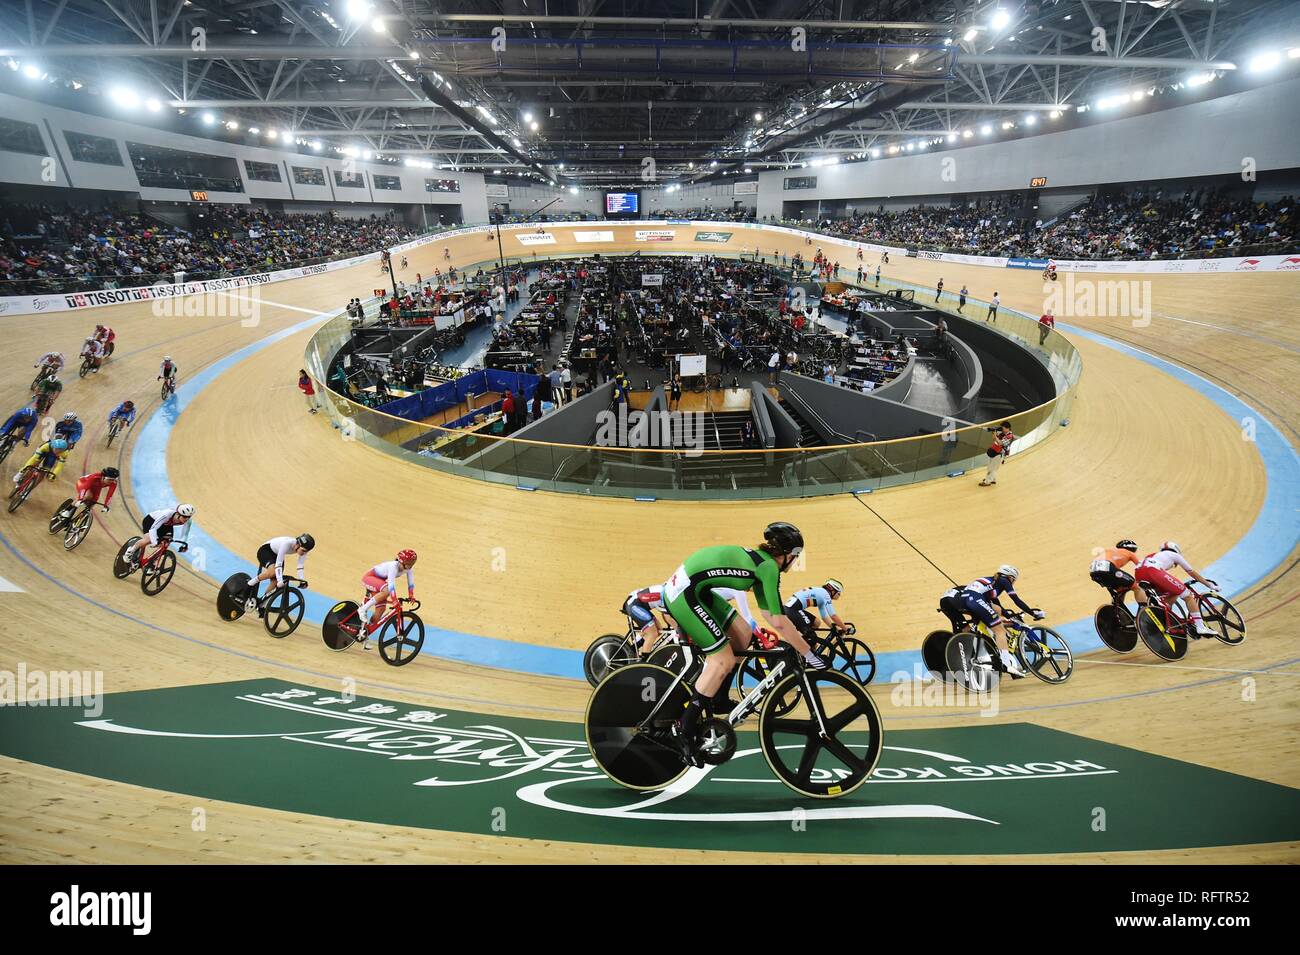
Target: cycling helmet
[58,444]
[128,404]
[70,416]
[29,410]
[407,557]
[52,378]
[833,587]
[167,357]
[99,328]
[185,510]
[783,538]
[306,541]
[111,473]
[1127,544]
[1007,570]
[1170,545]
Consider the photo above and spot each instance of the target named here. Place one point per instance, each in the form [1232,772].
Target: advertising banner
[655,235]
[535,238]
[719,237]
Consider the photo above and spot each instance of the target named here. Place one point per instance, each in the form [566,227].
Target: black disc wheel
[339,629]
[629,725]
[122,568]
[1116,628]
[969,657]
[821,733]
[1153,628]
[230,597]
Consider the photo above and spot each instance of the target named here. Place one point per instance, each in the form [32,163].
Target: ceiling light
[1000,19]
[31,71]
[126,98]
[970,34]
[358,8]
[1054,114]
[208,119]
[986,129]
[254,130]
[1261,62]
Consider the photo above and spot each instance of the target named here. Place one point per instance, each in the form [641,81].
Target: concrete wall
[1201,139]
[1009,371]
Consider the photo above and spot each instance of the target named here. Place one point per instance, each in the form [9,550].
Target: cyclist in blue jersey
[979,598]
[800,606]
[69,429]
[125,412]
[23,420]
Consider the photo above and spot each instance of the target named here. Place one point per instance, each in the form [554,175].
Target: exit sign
[198,195]
[1038,182]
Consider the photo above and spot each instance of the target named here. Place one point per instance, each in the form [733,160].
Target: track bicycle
[401,631]
[114,429]
[280,609]
[156,569]
[27,481]
[168,388]
[1165,625]
[971,654]
[74,519]
[820,731]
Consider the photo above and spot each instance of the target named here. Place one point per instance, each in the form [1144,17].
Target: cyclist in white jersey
[640,608]
[1154,570]
[270,562]
[160,524]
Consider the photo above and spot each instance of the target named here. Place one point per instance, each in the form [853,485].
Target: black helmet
[111,472]
[306,541]
[783,538]
[1126,544]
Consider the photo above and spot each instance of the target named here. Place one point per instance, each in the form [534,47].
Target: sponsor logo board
[655,235]
[720,237]
[535,238]
[593,236]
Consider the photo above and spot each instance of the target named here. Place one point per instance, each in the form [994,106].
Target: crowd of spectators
[44,248]
[1121,226]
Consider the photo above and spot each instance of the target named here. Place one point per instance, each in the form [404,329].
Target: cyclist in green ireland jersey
[692,599]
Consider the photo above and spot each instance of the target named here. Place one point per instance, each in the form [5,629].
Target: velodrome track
[1146,455]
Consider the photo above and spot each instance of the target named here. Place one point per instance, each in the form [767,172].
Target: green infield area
[1013,788]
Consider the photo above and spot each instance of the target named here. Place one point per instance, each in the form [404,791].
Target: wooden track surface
[252,460]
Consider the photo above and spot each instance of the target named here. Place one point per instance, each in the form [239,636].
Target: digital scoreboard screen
[622,203]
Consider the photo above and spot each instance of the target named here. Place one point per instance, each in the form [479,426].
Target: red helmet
[406,556]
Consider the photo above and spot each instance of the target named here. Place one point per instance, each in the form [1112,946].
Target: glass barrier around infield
[700,475]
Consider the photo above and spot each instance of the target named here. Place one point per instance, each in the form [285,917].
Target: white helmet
[1170,545]
[835,586]
[185,510]
[167,357]
[1006,570]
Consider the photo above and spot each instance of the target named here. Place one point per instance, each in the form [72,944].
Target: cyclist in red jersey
[89,486]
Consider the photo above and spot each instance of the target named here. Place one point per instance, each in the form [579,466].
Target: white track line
[267,301]
[1180,666]
[9,587]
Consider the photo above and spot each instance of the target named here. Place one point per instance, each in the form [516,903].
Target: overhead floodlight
[358,8]
[1264,61]
[1000,19]
[533,126]
[32,72]
[986,129]
[1054,114]
[970,34]
[209,119]
[122,96]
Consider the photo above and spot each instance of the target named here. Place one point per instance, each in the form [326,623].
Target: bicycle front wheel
[605,655]
[1153,627]
[1228,624]
[155,577]
[399,645]
[828,737]
[78,529]
[1044,653]
[859,664]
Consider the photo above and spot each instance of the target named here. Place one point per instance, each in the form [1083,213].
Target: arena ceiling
[584,90]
